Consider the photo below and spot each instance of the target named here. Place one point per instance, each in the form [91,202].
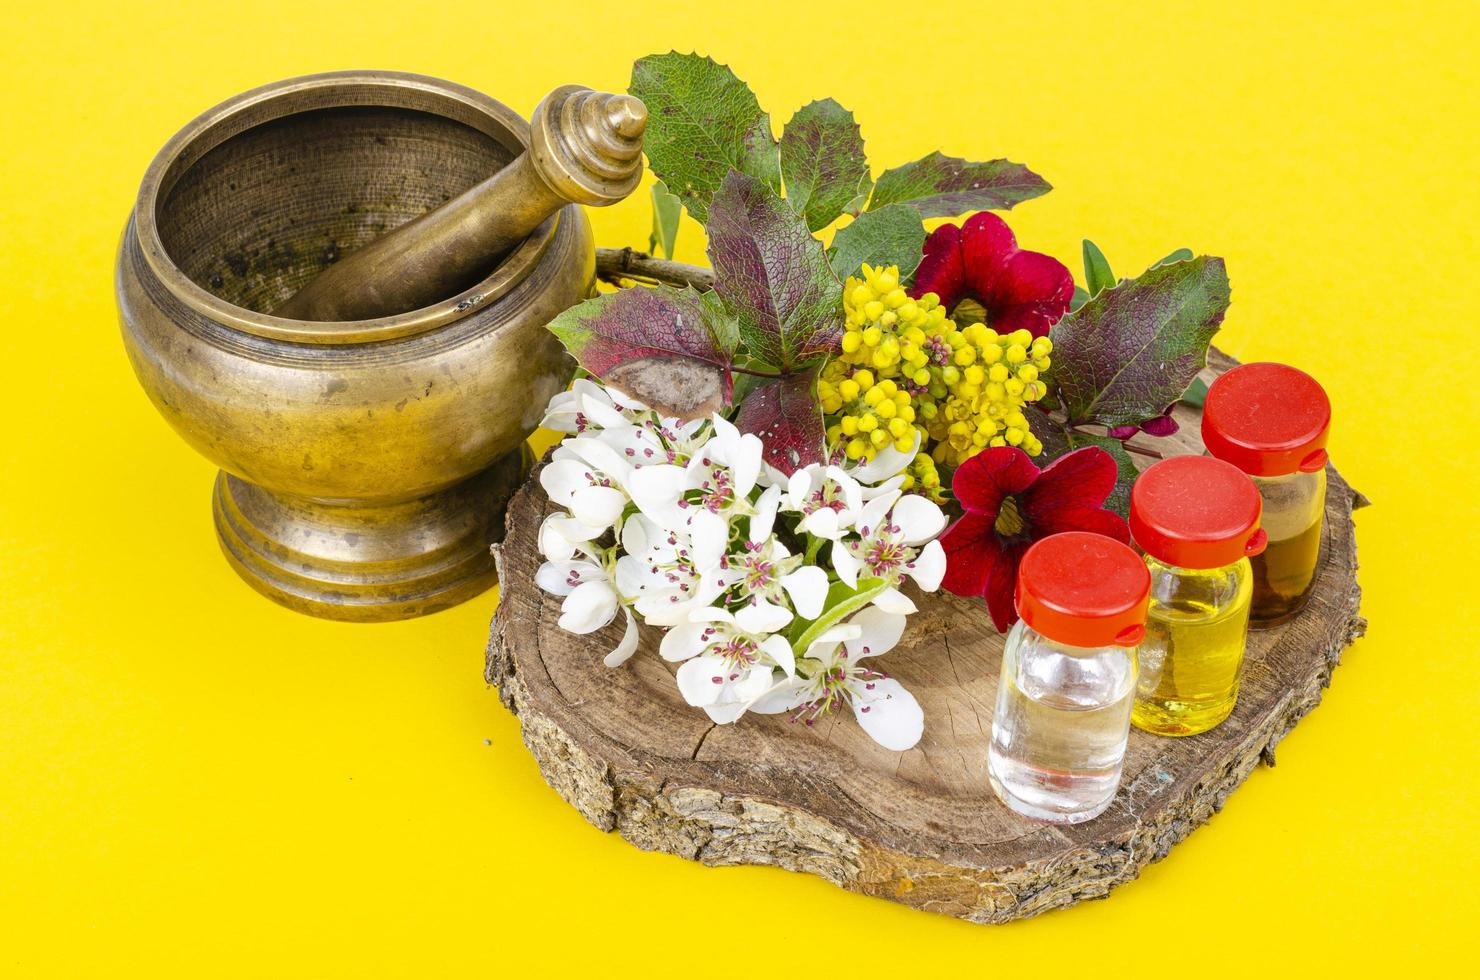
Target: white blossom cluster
[774,590]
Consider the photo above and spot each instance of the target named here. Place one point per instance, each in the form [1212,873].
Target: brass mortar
[365,465]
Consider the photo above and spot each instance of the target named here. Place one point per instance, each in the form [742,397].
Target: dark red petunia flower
[981,261]
[1010,503]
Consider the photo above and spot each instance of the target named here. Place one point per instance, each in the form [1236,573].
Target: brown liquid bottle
[1272,421]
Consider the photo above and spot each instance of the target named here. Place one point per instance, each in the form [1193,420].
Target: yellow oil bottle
[1197,520]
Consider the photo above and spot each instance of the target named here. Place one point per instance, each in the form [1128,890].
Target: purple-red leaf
[608,334]
[785,414]
[772,274]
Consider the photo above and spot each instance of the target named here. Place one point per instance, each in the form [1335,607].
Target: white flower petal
[598,506]
[825,647]
[562,577]
[725,713]
[886,463]
[888,713]
[563,477]
[751,685]
[764,517]
[633,575]
[709,536]
[554,545]
[852,491]
[888,486]
[874,512]
[747,464]
[799,485]
[687,640]
[762,617]
[782,697]
[701,680]
[599,409]
[656,491]
[822,523]
[894,601]
[918,519]
[639,533]
[589,607]
[846,565]
[807,587]
[878,632]
[601,456]
[929,567]
[780,653]
[628,646]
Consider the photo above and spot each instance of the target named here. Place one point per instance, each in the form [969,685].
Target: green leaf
[1196,393]
[787,416]
[703,122]
[841,603]
[889,236]
[773,275]
[1180,255]
[938,186]
[671,348]
[1131,351]
[822,162]
[667,209]
[1097,274]
[1081,296]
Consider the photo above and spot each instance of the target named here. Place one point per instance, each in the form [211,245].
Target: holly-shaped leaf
[1131,351]
[703,122]
[772,275]
[822,162]
[787,417]
[671,348]
[892,235]
[939,186]
[1180,255]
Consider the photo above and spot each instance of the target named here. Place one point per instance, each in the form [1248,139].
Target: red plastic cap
[1196,512]
[1084,589]
[1268,420]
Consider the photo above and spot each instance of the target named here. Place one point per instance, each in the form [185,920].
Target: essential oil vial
[1197,520]
[1272,421]
[1068,678]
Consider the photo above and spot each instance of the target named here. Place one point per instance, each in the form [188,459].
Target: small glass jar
[1068,678]
[1272,421]
[1197,520]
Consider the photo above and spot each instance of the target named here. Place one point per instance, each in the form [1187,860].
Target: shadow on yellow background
[196,782]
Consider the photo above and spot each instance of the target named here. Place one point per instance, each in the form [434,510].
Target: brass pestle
[585,147]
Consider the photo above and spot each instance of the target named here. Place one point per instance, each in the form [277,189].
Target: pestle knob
[585,147]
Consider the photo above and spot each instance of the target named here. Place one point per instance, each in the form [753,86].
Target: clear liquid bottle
[1272,421]
[1197,520]
[1068,678]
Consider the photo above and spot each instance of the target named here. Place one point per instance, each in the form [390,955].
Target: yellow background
[194,782]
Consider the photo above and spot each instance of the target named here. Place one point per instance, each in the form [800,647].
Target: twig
[615,264]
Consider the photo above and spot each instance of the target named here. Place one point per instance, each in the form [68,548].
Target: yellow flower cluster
[905,366]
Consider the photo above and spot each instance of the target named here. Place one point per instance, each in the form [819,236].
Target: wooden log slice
[920,827]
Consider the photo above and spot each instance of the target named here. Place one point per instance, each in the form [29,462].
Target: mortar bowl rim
[328,90]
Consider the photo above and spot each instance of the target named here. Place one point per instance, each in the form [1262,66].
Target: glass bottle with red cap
[1272,422]
[1068,677]
[1197,520]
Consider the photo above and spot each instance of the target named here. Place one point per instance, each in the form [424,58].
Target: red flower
[1010,503]
[981,261]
